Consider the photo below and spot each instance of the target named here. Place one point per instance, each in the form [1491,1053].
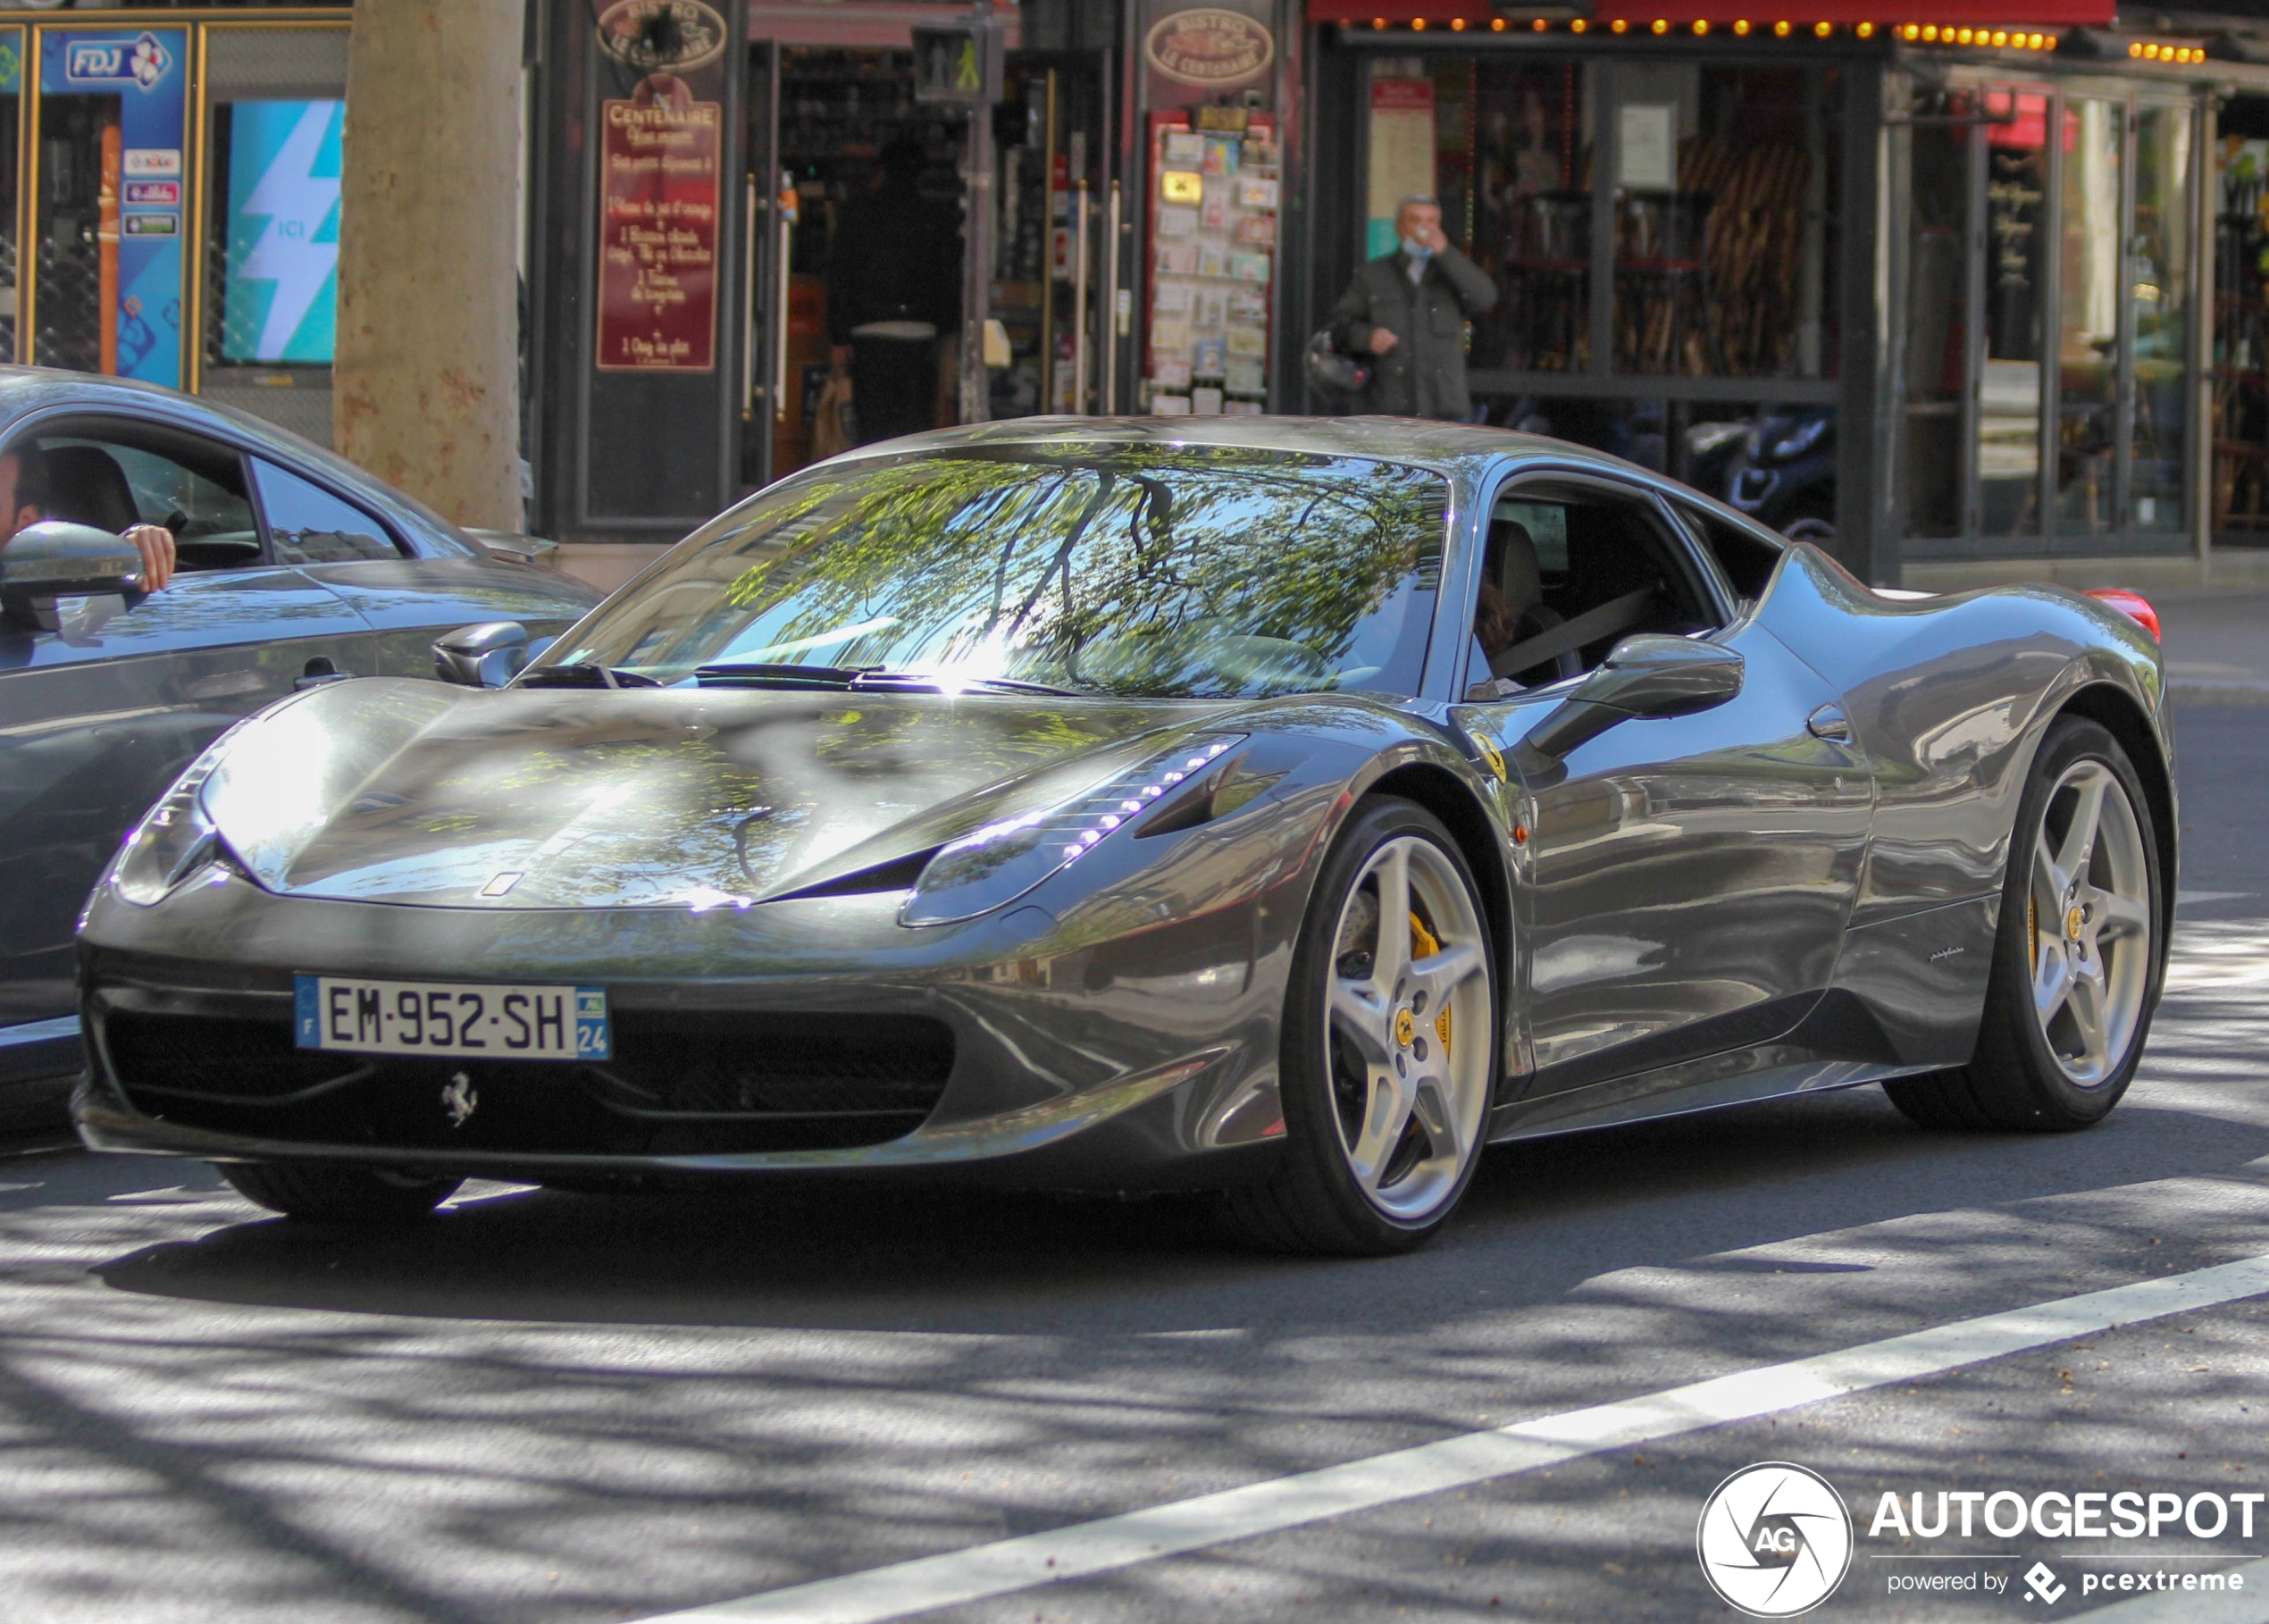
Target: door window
[306,524]
[1745,559]
[1569,570]
[115,474]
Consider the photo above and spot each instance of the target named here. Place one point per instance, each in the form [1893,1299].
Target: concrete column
[426,383]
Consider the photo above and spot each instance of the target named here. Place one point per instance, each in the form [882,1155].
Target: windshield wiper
[755,674]
[583,675]
[864,679]
[932,681]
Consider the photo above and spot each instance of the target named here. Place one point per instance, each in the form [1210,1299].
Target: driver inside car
[1512,611]
[28,497]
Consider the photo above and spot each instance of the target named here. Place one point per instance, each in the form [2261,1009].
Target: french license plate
[428,1017]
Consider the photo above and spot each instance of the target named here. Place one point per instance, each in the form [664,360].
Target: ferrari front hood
[412,793]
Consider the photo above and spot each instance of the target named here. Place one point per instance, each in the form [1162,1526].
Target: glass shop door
[855,263]
[2047,328]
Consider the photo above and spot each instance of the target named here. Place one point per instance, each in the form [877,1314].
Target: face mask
[1417,250]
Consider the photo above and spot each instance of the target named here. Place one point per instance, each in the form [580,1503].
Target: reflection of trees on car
[1190,571]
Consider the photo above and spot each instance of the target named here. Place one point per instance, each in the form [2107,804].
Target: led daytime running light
[177,837]
[1138,801]
[1001,861]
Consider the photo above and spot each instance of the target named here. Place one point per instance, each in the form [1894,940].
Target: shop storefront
[1940,295]
[1925,291]
[169,199]
[672,379]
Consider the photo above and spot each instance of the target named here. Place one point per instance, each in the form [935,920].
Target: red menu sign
[657,248]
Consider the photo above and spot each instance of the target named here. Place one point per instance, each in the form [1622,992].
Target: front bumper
[995,1051]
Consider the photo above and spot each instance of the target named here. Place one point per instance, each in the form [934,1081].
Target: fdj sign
[958,62]
[112,62]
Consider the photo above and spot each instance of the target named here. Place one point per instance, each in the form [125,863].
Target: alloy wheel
[2090,918]
[1407,1028]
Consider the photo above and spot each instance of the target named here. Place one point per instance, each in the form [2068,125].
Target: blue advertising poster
[280,293]
[145,69]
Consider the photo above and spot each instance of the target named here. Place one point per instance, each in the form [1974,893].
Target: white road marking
[2246,1606]
[1113,1543]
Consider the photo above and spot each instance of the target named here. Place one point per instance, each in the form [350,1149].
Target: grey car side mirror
[1646,676]
[55,559]
[485,655]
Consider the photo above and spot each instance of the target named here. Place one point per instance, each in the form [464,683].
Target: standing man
[1407,311]
[893,284]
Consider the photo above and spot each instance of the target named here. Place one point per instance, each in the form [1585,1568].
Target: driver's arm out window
[114,486]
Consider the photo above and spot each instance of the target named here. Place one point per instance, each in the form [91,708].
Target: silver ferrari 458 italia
[1276,808]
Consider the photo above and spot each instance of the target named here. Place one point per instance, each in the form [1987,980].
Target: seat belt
[1604,620]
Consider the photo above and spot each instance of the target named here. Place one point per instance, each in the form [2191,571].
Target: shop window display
[1533,207]
[1724,247]
[1213,231]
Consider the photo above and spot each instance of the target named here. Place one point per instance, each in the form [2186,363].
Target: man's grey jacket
[1424,374]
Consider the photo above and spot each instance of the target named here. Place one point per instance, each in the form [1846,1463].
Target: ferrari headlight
[1003,860]
[173,839]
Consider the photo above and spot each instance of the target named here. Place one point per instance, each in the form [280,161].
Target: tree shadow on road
[1542,1218]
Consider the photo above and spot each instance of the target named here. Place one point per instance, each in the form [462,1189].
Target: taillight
[2133,605]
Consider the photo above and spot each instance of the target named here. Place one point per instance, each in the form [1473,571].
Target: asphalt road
[544,1407]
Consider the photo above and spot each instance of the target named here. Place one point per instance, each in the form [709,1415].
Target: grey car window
[1747,560]
[1200,572]
[309,525]
[192,488]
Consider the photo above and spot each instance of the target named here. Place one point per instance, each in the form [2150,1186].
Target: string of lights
[1910,33]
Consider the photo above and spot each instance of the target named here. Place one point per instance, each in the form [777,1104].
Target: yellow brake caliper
[1424,944]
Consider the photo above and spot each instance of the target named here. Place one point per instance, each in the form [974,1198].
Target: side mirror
[487,656]
[54,558]
[1647,675]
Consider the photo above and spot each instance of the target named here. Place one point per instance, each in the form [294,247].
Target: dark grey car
[1283,807]
[295,569]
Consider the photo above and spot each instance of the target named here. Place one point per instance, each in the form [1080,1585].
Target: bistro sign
[655,35]
[1210,47]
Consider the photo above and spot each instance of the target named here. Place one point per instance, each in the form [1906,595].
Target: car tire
[1387,1061]
[337,1193]
[2083,936]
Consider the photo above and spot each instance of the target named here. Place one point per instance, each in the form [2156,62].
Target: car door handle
[1829,723]
[319,672]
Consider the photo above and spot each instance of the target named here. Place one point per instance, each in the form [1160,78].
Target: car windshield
[1173,572]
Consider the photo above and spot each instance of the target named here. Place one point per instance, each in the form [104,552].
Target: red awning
[1842,16]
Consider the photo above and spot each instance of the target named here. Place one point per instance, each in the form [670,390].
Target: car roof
[1451,446]
[30,389]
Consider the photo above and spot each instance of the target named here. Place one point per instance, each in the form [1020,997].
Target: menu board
[657,225]
[1214,204]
